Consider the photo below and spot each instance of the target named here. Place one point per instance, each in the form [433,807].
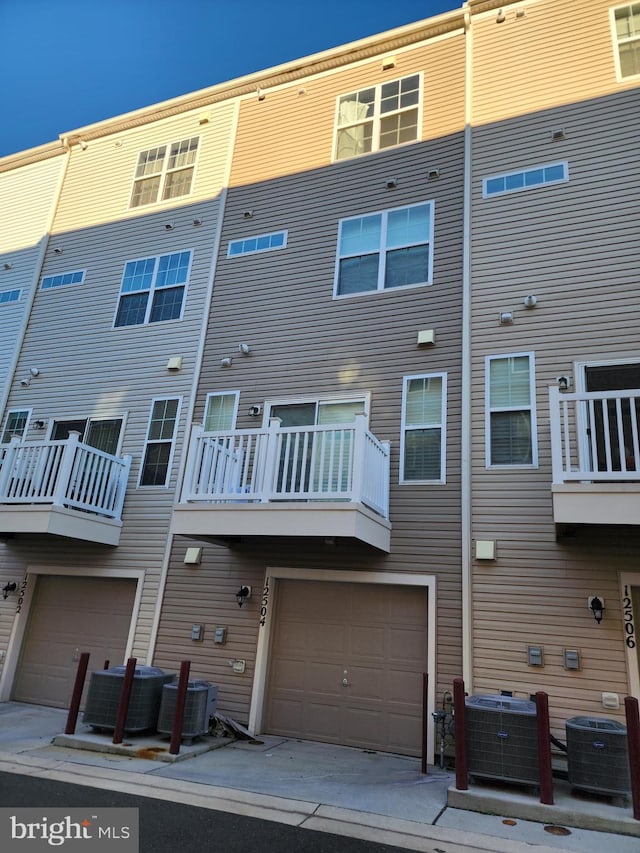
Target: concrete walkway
[358,793]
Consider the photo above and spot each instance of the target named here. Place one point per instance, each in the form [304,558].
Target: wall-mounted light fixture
[39,424]
[530,301]
[58,250]
[227,361]
[564,382]
[8,266]
[33,372]
[243,594]
[255,410]
[596,606]
[7,588]
[245,349]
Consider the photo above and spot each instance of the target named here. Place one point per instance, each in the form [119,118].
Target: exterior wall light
[243,594]
[7,588]
[596,606]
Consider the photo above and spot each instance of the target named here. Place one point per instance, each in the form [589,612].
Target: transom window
[164,172]
[221,411]
[525,179]
[16,424]
[7,296]
[261,243]
[62,279]
[626,27]
[380,251]
[160,443]
[511,415]
[378,117]
[152,289]
[422,452]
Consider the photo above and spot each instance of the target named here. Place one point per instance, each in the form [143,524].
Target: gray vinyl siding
[90,369]
[304,342]
[574,247]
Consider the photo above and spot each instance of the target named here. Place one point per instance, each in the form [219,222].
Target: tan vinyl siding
[538,61]
[572,246]
[100,179]
[304,342]
[291,130]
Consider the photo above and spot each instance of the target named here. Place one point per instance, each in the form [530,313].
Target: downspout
[465,444]
[44,242]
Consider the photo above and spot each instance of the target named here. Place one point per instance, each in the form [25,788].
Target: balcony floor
[59,521]
[319,519]
[596,503]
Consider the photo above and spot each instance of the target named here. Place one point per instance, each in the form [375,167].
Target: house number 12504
[265,603]
[627,615]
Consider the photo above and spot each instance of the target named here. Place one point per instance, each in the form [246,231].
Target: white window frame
[382,251]
[241,241]
[211,395]
[530,169]
[377,116]
[163,172]
[404,427]
[7,296]
[530,408]
[617,42]
[122,417]
[152,290]
[148,441]
[5,426]
[50,282]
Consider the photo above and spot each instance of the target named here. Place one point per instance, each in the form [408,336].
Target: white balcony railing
[594,436]
[309,463]
[63,473]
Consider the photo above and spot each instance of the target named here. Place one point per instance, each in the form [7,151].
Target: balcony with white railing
[323,481]
[65,488]
[595,452]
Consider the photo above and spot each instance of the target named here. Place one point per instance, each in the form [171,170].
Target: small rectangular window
[625,22]
[164,172]
[160,443]
[526,179]
[152,289]
[62,279]
[511,412]
[15,424]
[221,411]
[260,243]
[380,251]
[7,296]
[378,117]
[422,451]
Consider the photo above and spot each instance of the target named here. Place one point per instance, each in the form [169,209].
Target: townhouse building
[346,408]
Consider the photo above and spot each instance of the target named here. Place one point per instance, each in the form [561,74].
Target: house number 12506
[627,615]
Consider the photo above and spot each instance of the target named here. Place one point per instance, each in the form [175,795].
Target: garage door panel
[377,635]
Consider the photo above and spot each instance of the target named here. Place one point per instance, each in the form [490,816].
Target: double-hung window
[511,412]
[378,117]
[626,29]
[160,443]
[16,424]
[153,289]
[164,172]
[422,451]
[221,411]
[380,251]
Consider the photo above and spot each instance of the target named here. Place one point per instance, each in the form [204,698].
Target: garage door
[70,615]
[346,664]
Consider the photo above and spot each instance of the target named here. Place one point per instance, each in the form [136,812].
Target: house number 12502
[627,615]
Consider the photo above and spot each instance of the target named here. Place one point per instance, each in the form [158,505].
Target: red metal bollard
[78,687]
[125,697]
[178,714]
[460,720]
[425,718]
[633,745]
[545,773]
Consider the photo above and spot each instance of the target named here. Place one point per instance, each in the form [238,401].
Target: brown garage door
[70,615]
[346,664]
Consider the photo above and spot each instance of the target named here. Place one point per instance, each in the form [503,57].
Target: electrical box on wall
[197,632]
[220,636]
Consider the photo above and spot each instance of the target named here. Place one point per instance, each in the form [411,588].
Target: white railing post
[271,461]
[193,451]
[359,457]
[66,468]
[386,477]
[555,425]
[6,469]
[123,481]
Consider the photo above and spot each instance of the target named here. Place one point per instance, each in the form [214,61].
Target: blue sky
[68,63]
